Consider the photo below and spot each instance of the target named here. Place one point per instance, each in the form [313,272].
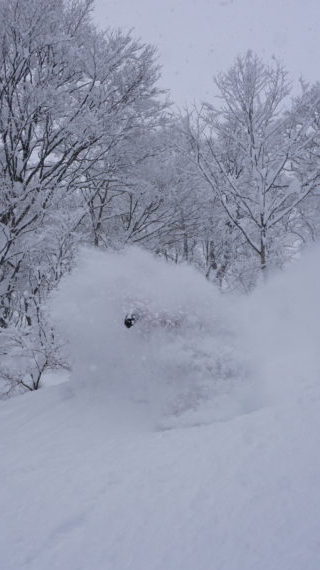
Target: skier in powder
[151,320]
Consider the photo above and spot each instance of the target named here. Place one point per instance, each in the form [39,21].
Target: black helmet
[130,320]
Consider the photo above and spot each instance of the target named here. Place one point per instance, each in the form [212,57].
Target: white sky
[198,38]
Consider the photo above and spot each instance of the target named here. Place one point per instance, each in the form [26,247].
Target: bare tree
[244,149]
[67,95]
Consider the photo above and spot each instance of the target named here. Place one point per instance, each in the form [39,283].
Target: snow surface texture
[86,485]
[181,352]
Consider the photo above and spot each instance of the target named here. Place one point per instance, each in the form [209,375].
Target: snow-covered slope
[89,479]
[79,491]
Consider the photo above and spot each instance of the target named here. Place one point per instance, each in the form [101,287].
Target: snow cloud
[181,349]
[193,354]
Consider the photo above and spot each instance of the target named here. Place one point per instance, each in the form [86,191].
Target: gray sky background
[198,38]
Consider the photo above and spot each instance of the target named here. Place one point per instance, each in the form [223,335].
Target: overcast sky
[198,38]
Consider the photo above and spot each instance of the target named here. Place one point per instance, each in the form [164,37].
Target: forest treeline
[93,153]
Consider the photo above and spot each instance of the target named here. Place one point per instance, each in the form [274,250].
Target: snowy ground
[91,479]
